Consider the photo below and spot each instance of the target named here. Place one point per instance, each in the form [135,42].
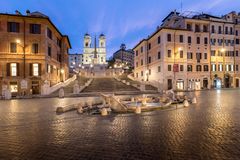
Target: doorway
[169,84]
[205,83]
[35,87]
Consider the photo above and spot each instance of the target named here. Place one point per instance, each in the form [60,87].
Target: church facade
[94,54]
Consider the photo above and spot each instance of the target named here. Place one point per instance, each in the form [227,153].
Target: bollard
[104,112]
[132,99]
[80,110]
[194,100]
[61,93]
[185,103]
[138,110]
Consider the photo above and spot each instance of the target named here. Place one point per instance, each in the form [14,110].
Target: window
[206,40]
[205,29]
[169,38]
[237,41]
[159,55]
[236,32]
[13,67]
[213,67]
[159,68]
[189,27]
[198,40]
[13,27]
[34,48]
[169,53]
[149,46]
[189,55]
[231,30]
[181,54]
[141,62]
[205,55]
[198,56]
[49,33]
[13,47]
[181,68]
[141,73]
[169,67]
[159,40]
[189,39]
[142,49]
[226,30]
[49,51]
[181,38]
[236,53]
[213,29]
[205,68]
[149,59]
[189,68]
[149,71]
[35,69]
[220,67]
[198,68]
[219,30]
[13,87]
[197,28]
[35,28]
[237,67]
[136,53]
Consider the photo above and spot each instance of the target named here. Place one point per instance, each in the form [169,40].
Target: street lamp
[18,41]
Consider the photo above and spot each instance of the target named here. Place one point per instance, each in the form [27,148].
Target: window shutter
[18,70]
[39,69]
[30,69]
[8,69]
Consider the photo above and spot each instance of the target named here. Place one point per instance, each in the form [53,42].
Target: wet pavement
[30,129]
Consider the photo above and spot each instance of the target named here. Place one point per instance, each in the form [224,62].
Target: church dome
[102,35]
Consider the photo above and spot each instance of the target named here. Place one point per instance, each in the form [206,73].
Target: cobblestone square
[31,129]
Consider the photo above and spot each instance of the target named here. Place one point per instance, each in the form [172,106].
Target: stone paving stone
[31,130]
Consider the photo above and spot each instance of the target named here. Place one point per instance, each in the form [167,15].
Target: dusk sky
[122,21]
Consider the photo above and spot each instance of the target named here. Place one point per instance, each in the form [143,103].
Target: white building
[94,54]
[75,60]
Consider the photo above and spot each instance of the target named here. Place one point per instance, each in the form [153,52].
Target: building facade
[75,60]
[190,53]
[32,51]
[96,53]
[124,56]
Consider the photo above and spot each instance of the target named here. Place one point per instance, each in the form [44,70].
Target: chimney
[17,12]
[28,12]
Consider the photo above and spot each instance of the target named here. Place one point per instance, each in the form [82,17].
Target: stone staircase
[147,87]
[69,88]
[108,85]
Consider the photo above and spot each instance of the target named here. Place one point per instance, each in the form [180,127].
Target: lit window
[35,69]
[14,69]
[13,87]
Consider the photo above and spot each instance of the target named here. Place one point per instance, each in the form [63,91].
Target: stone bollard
[76,89]
[8,94]
[185,103]
[61,93]
[132,99]
[138,110]
[104,112]
[80,110]
[194,100]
